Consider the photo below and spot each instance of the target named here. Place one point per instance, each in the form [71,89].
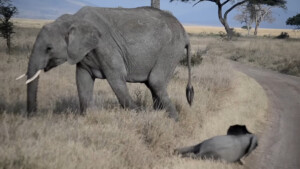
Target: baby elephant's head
[237,130]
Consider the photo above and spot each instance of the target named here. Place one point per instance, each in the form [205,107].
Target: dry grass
[261,31]
[278,55]
[111,137]
[30,23]
[193,29]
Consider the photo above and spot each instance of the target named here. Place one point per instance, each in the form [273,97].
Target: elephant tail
[189,87]
[185,151]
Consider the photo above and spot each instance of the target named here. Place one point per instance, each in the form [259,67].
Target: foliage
[196,58]
[235,3]
[245,27]
[279,3]
[7,11]
[294,21]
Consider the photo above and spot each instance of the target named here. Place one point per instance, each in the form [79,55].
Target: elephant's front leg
[85,85]
[119,87]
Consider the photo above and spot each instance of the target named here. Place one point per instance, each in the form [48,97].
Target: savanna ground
[111,137]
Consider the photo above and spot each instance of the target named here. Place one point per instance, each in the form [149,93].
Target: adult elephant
[141,45]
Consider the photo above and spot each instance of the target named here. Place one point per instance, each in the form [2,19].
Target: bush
[196,58]
[283,35]
[245,27]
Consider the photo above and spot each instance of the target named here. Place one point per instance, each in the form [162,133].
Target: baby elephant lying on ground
[238,143]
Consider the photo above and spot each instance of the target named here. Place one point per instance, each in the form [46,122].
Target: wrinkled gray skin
[232,147]
[121,45]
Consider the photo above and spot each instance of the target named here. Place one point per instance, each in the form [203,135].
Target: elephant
[138,45]
[238,143]
[237,130]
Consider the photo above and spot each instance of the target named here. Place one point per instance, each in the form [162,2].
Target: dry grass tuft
[111,137]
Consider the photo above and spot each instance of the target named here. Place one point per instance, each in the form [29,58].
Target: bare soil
[280,141]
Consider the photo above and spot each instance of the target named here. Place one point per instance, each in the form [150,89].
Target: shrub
[283,35]
[196,59]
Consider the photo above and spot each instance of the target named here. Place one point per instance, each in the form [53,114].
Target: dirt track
[280,141]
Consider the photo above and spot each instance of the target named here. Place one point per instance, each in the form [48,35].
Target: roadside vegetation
[111,137]
[280,55]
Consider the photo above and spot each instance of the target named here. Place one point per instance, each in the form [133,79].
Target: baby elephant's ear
[252,145]
[81,39]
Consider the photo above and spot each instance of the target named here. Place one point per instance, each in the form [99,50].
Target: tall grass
[111,137]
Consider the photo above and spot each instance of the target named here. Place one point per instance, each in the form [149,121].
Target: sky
[205,13]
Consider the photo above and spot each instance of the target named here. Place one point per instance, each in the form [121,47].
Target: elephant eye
[48,49]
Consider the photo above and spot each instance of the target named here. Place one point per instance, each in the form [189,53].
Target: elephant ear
[253,143]
[81,39]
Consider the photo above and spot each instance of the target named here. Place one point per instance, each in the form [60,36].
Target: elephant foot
[132,106]
[173,115]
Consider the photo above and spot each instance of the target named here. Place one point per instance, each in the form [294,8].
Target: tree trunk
[8,44]
[224,22]
[248,28]
[229,30]
[155,4]
[256,27]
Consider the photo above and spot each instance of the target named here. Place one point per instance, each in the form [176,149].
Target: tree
[294,21]
[261,13]
[245,17]
[254,13]
[155,4]
[235,3]
[7,11]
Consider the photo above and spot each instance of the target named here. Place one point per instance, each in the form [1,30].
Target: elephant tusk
[34,77]
[20,77]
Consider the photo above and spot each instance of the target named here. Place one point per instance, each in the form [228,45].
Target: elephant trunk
[36,64]
[32,92]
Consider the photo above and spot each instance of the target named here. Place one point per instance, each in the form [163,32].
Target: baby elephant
[238,143]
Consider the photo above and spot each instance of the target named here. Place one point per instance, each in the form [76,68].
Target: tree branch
[235,5]
[225,2]
[202,1]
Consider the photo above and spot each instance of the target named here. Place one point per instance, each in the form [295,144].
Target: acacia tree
[294,21]
[155,4]
[254,13]
[245,17]
[232,4]
[7,11]
[261,13]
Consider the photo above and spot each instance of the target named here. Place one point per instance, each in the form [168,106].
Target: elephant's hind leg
[158,86]
[157,104]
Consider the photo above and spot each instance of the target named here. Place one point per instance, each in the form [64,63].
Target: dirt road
[280,141]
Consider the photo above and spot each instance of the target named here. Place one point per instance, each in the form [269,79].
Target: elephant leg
[157,104]
[119,87]
[85,86]
[159,90]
